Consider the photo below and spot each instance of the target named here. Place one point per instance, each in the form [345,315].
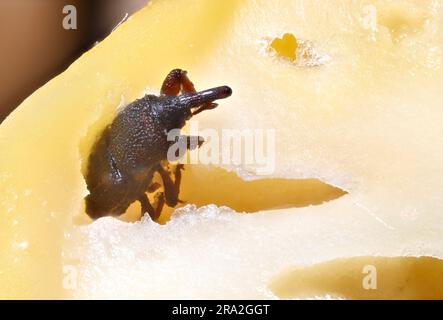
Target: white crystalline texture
[212,252]
[309,56]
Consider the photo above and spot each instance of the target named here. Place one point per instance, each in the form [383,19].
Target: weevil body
[130,150]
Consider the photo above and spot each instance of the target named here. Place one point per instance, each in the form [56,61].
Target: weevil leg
[146,206]
[154,187]
[159,202]
[153,211]
[192,142]
[175,82]
[172,188]
[183,143]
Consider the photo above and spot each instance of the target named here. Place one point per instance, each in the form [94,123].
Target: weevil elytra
[132,148]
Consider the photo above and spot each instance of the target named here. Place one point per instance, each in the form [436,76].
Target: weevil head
[175,111]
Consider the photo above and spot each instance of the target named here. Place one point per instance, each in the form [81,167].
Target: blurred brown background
[34,46]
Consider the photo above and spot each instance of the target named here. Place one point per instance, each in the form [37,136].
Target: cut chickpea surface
[358,153]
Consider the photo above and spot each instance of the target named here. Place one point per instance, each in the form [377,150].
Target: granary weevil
[132,148]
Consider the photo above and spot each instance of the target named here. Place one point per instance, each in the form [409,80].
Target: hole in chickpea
[364,278]
[300,53]
[286,46]
[203,185]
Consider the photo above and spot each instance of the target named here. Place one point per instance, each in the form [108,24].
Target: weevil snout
[183,107]
[204,100]
[194,100]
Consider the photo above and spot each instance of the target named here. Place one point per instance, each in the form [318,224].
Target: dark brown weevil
[130,150]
